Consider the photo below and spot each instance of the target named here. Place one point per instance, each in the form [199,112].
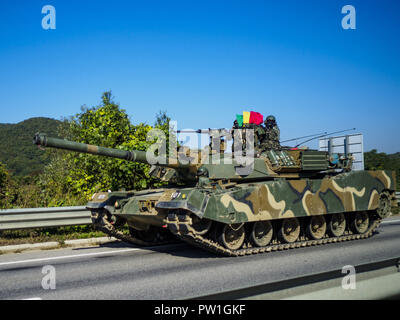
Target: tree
[106,125]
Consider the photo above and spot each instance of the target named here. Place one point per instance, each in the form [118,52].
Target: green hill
[17,151]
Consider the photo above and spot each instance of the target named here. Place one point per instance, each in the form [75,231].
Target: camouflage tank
[291,198]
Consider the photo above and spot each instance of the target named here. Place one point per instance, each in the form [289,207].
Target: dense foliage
[109,126]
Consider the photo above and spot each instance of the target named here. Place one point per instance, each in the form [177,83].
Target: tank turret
[218,167]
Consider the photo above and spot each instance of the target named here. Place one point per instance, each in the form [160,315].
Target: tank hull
[201,216]
[269,200]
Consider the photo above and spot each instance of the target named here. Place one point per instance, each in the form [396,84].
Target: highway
[179,271]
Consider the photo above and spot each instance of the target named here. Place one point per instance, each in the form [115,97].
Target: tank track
[180,225]
[102,223]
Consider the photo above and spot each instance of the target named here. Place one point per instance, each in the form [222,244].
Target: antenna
[324,135]
[298,138]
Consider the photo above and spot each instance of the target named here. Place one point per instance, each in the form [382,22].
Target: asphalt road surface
[179,271]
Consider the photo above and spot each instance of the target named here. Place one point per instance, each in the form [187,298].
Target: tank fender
[187,199]
[106,200]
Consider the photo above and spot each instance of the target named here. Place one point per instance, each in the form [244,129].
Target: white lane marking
[34,298]
[69,256]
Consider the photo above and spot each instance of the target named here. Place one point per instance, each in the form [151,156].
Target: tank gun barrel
[43,140]
[222,131]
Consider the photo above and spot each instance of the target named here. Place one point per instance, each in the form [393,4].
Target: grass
[60,234]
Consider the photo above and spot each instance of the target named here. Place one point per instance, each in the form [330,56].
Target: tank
[289,198]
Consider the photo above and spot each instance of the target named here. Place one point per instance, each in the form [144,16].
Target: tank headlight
[175,195]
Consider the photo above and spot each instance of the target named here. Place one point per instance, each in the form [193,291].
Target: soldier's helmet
[270,121]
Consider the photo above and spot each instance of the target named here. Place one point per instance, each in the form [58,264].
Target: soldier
[241,131]
[258,135]
[239,140]
[270,138]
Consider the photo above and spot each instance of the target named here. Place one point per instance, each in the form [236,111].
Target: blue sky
[205,61]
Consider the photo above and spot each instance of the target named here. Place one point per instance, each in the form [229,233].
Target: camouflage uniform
[239,139]
[258,135]
[271,135]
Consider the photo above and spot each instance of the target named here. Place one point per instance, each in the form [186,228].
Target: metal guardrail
[12,219]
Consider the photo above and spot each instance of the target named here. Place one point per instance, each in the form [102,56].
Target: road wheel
[261,234]
[360,222]
[290,230]
[337,225]
[201,226]
[232,236]
[316,227]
